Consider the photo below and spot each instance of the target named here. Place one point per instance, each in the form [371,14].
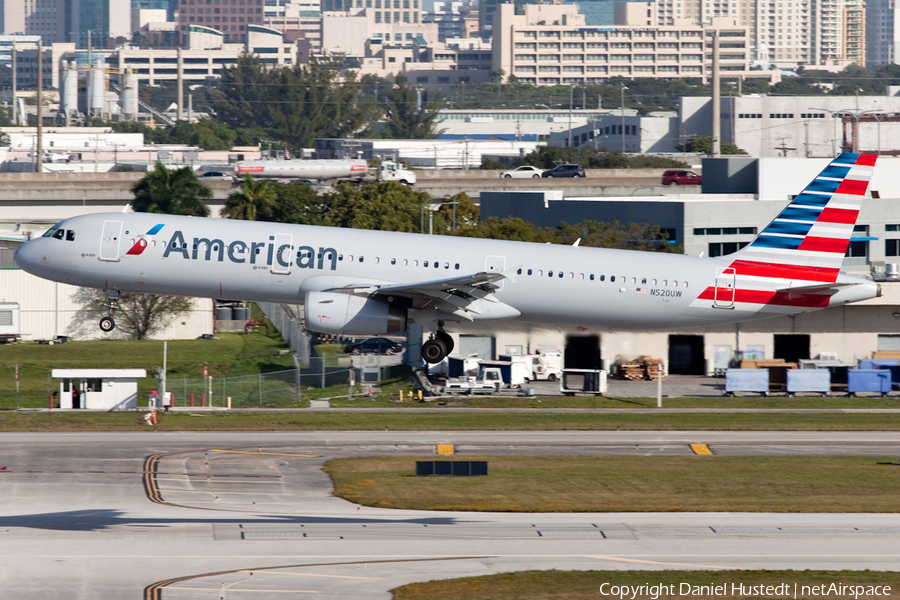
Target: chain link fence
[275,389]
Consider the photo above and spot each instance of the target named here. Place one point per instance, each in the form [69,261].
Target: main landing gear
[106,323]
[438,346]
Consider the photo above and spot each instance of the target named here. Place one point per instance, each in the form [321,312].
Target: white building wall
[49,308]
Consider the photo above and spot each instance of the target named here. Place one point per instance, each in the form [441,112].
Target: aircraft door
[282,255]
[109,240]
[495,264]
[725,284]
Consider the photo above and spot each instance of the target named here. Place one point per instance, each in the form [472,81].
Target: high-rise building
[227,16]
[105,19]
[46,18]
[882,33]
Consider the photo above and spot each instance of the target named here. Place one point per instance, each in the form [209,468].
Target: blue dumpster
[746,380]
[888,364]
[808,380]
[868,380]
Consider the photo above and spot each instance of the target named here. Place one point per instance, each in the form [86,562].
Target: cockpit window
[59,234]
[50,232]
[70,235]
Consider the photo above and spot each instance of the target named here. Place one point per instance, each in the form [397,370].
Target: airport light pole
[875,114]
[834,128]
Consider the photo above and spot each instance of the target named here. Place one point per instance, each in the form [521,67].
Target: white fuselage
[545,286]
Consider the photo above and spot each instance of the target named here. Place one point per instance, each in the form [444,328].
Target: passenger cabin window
[529,271]
[612,278]
[393,261]
[457,266]
[424,263]
[362,258]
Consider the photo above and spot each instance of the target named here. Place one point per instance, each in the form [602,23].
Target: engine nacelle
[328,312]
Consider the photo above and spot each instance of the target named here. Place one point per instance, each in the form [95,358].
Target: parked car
[216,176]
[377,345]
[565,171]
[681,178]
[526,171]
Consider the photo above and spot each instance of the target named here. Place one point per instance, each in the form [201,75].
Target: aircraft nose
[28,256]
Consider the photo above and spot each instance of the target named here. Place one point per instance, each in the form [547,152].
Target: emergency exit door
[495,264]
[725,282]
[109,240]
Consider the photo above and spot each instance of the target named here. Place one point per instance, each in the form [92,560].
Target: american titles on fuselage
[241,252]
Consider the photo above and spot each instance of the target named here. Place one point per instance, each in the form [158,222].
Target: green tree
[404,120]
[703,144]
[171,192]
[255,200]
[636,236]
[388,206]
[297,103]
[205,133]
[137,315]
[299,203]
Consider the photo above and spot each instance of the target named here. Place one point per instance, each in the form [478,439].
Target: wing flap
[459,296]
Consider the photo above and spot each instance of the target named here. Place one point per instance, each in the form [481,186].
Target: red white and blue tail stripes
[813,231]
[796,259]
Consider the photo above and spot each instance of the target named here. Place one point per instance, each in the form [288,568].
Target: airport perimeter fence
[276,389]
[286,320]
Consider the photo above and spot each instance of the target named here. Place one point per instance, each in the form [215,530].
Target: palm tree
[256,198]
[171,192]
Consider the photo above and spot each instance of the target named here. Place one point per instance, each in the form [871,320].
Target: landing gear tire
[106,323]
[434,351]
[445,338]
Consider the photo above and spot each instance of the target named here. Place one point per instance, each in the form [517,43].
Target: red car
[681,178]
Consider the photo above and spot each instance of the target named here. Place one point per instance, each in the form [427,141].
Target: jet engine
[328,312]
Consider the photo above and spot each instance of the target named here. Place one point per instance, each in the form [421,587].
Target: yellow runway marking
[670,564]
[701,449]
[311,575]
[263,453]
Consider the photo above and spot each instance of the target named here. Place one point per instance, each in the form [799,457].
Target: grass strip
[629,484]
[586,585]
[500,421]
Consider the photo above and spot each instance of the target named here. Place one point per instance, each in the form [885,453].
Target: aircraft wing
[459,295]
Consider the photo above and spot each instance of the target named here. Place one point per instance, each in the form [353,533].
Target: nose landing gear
[106,323]
[438,346]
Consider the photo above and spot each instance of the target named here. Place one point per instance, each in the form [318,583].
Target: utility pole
[90,76]
[180,92]
[571,91]
[40,107]
[623,116]
[716,99]
[15,115]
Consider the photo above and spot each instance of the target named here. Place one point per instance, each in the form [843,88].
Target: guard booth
[98,389]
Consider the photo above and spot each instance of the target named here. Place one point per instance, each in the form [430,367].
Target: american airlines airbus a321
[375,282]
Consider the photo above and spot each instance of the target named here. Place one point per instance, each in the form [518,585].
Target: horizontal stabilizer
[824,288]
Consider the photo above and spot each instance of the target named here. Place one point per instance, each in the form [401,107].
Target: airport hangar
[740,196]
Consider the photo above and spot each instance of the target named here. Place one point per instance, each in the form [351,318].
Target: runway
[251,515]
